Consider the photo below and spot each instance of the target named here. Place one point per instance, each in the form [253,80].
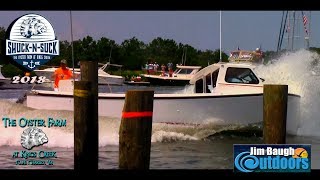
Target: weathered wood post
[135,130]
[89,72]
[86,139]
[275,99]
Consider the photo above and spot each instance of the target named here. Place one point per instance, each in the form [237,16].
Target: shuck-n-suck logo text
[272,158]
[31,42]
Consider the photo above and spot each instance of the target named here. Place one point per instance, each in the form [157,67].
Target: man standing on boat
[61,73]
[170,69]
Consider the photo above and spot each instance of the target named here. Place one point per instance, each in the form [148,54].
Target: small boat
[104,78]
[224,93]
[137,81]
[247,56]
[180,77]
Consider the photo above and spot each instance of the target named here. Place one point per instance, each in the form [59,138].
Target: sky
[200,29]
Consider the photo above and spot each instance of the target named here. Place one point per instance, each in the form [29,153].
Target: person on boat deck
[163,70]
[61,73]
[170,69]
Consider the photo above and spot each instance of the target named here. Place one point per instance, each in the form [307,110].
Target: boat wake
[108,128]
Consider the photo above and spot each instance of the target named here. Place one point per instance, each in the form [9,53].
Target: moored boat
[180,77]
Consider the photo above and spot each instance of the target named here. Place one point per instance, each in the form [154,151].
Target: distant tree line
[131,53]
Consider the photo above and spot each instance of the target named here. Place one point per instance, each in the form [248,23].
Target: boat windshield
[183,71]
[241,75]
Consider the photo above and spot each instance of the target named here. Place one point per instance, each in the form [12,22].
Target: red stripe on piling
[136,114]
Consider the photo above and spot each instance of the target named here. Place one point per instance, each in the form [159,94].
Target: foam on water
[108,128]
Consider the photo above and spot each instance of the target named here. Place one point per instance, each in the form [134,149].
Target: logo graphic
[272,158]
[31,42]
[33,137]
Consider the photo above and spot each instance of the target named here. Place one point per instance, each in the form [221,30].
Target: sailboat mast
[289,31]
[185,57]
[110,55]
[220,40]
[72,54]
[310,27]
[293,26]
[309,35]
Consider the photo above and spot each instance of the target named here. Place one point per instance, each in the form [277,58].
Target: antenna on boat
[185,57]
[110,54]
[72,55]
[220,40]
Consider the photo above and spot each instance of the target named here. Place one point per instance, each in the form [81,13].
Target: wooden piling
[89,72]
[86,119]
[135,130]
[275,99]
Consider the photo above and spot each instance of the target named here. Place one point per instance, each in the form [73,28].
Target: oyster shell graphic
[32,26]
[33,137]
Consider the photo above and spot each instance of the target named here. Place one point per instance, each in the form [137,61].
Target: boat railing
[104,66]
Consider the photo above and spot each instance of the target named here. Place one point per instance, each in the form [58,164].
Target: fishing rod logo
[31,41]
[272,158]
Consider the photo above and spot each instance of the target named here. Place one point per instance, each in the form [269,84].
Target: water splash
[301,71]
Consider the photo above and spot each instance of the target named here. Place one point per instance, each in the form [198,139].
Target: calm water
[173,147]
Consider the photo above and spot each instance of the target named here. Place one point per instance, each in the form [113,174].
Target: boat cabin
[227,78]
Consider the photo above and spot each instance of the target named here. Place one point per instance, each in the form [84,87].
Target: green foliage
[128,74]
[10,70]
[131,53]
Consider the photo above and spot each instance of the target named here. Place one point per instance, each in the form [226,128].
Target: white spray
[300,70]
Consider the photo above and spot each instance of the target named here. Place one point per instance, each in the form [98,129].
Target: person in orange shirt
[61,73]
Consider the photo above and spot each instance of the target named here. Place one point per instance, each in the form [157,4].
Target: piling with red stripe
[135,130]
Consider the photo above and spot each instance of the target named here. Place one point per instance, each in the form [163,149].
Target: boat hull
[110,80]
[182,109]
[167,82]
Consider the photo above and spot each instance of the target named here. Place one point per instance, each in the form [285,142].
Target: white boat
[103,76]
[108,79]
[180,77]
[224,93]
